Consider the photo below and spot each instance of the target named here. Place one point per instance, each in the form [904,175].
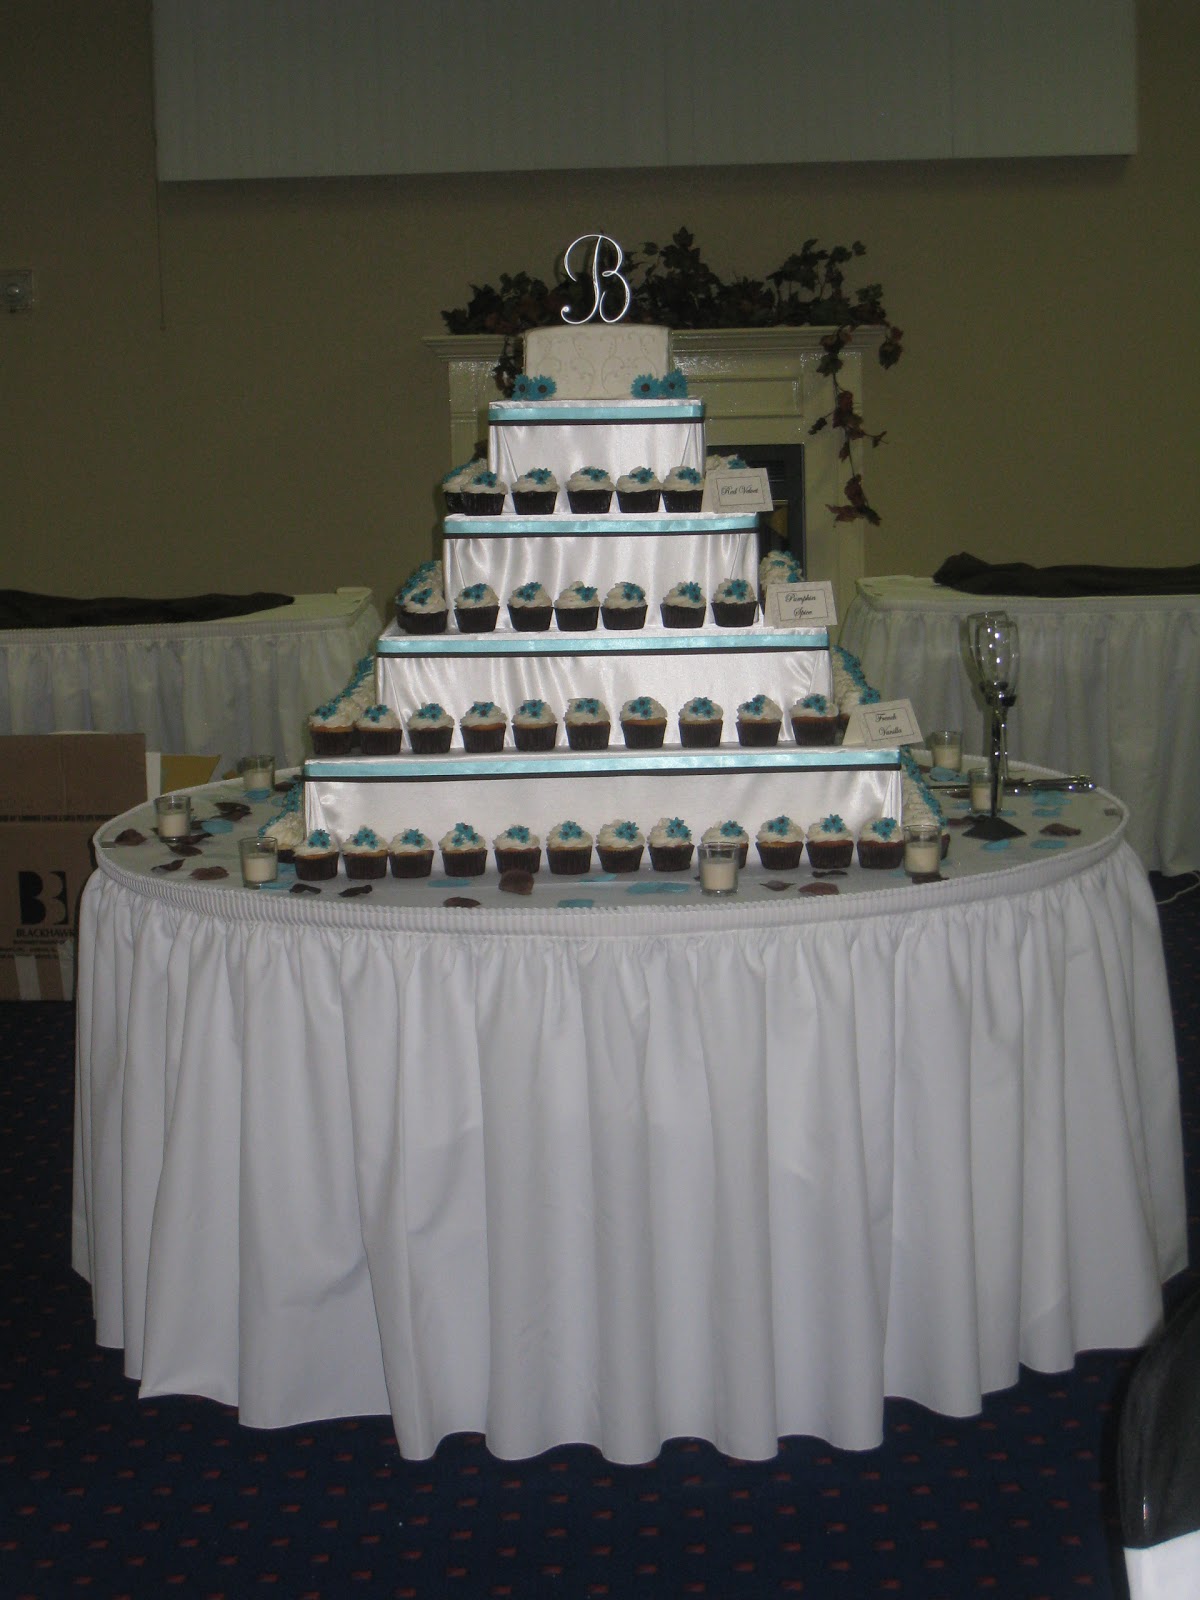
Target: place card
[792,605]
[744,489]
[889,723]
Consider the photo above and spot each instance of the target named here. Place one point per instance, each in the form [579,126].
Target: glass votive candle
[719,866]
[260,861]
[981,790]
[257,773]
[945,747]
[173,816]
[922,849]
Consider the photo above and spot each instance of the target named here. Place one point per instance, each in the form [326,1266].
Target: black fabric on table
[972,576]
[20,609]
[1158,1439]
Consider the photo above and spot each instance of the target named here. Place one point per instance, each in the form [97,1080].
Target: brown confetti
[233,810]
[184,848]
[460,900]
[128,836]
[355,890]
[958,822]
[819,888]
[304,888]
[209,872]
[829,872]
[1061,830]
[168,866]
[516,881]
[777,884]
[925,877]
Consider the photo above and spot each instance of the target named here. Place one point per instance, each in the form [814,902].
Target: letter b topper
[604,279]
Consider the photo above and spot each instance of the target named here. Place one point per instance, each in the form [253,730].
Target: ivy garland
[673,286]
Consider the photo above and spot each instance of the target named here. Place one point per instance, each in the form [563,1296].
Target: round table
[611,1163]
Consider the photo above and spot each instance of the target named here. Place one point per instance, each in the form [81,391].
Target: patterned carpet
[104,1495]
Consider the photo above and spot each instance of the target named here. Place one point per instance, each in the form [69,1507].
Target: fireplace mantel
[759,386]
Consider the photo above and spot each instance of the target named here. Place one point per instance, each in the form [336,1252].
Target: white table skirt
[1107,686]
[205,688]
[622,1175]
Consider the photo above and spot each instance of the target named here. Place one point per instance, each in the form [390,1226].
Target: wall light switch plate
[16,288]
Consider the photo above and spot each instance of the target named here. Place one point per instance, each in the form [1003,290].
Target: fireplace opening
[783,528]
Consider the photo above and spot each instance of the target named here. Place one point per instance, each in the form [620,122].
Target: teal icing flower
[687,475]
[627,831]
[735,464]
[817,703]
[585,591]
[570,830]
[420,596]
[631,591]
[737,589]
[702,706]
[731,830]
[540,475]
[464,834]
[833,823]
[484,480]
[780,826]
[474,591]
[691,591]
[531,708]
[414,838]
[366,839]
[869,697]
[643,706]
[886,827]
[319,839]
[528,591]
[588,706]
[374,713]
[429,713]
[755,706]
[642,475]
[518,833]
[482,708]
[596,474]
[677,828]
[674,385]
[644,387]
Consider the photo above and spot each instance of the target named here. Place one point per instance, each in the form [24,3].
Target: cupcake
[568,849]
[759,720]
[577,609]
[411,854]
[830,843]
[366,855]
[643,723]
[590,491]
[464,852]
[726,833]
[534,726]
[700,723]
[683,606]
[379,731]
[779,842]
[287,832]
[476,609]
[331,729]
[530,608]
[484,495]
[588,724]
[422,610]
[517,849]
[455,481]
[639,491]
[619,846]
[482,727]
[734,604]
[624,606]
[430,730]
[316,859]
[814,720]
[683,490]
[670,841]
[535,492]
[881,844]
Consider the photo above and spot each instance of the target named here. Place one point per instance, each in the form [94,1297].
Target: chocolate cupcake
[734,604]
[476,608]
[683,490]
[484,495]
[588,724]
[590,491]
[483,726]
[379,732]
[316,859]
[620,846]
[411,854]
[683,606]
[624,607]
[830,843]
[643,723]
[577,608]
[517,849]
[464,852]
[430,730]
[780,842]
[881,844]
[700,723]
[759,720]
[814,720]
[639,491]
[671,847]
[534,726]
[365,855]
[568,849]
[729,833]
[535,493]
[530,608]
[331,729]
[422,610]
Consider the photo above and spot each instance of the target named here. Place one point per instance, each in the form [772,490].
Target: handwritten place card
[808,605]
[889,723]
[744,489]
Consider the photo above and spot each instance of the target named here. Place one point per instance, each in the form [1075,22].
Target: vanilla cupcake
[535,492]
[464,852]
[365,855]
[476,608]
[379,731]
[830,843]
[588,724]
[316,857]
[700,723]
[530,608]
[483,726]
[639,491]
[534,726]
[624,607]
[683,606]
[759,720]
[643,723]
[568,849]
[620,846]
[577,608]
[728,833]
[779,842]
[411,854]
[590,491]
[683,490]
[670,842]
[430,730]
[517,849]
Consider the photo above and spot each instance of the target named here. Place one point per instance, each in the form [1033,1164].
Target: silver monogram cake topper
[603,278]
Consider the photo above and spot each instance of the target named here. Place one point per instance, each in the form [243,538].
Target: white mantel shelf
[760,386]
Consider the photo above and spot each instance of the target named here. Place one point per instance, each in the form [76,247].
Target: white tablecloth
[1110,687]
[204,688]
[619,1170]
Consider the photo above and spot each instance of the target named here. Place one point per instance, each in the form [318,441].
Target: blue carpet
[104,1495]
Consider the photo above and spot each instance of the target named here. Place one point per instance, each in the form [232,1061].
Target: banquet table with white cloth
[205,688]
[610,1162]
[1107,685]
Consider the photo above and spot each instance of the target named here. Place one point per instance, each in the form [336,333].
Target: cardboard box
[56,789]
